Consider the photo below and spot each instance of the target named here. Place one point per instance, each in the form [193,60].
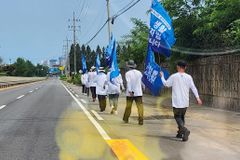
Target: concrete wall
[218,80]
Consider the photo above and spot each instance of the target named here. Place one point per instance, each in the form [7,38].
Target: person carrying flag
[134,92]
[181,83]
[101,88]
[114,89]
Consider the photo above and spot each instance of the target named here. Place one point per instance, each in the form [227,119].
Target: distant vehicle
[54,71]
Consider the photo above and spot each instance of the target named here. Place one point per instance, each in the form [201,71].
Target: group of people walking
[101,86]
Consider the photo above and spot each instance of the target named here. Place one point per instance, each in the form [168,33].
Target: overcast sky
[35,29]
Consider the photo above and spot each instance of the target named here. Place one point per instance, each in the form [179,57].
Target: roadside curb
[16,83]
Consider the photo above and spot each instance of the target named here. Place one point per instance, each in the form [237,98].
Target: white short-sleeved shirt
[84,78]
[134,82]
[101,84]
[181,84]
[91,77]
[114,87]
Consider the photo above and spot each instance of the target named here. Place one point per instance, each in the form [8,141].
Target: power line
[82,8]
[119,13]
[97,32]
[125,7]
[125,10]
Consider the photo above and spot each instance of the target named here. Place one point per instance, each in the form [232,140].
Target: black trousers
[87,91]
[93,91]
[179,115]
[128,110]
[83,88]
[102,102]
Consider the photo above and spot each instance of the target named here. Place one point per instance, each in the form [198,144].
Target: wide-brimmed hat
[101,69]
[131,64]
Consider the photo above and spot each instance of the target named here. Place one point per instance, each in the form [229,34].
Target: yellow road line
[125,150]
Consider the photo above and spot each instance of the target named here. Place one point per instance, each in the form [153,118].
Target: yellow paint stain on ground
[77,140]
[125,150]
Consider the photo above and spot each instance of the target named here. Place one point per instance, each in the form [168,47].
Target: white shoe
[115,112]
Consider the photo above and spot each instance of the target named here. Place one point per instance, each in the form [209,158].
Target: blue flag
[108,52]
[161,34]
[98,63]
[151,76]
[84,64]
[114,70]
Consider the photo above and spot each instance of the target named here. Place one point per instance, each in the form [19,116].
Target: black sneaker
[185,135]
[179,135]
[140,122]
[125,121]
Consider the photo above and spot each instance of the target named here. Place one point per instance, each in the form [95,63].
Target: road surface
[50,120]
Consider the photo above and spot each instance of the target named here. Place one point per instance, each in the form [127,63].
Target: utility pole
[74,43]
[74,29]
[109,21]
[66,52]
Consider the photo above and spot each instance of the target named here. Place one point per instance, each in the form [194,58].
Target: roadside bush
[69,80]
[77,79]
[63,77]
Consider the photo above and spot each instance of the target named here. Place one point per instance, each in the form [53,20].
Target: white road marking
[102,132]
[76,95]
[20,97]
[36,88]
[97,115]
[3,106]
[82,100]
[30,91]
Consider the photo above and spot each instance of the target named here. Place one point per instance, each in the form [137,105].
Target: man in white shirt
[84,79]
[91,76]
[181,83]
[114,89]
[133,92]
[101,88]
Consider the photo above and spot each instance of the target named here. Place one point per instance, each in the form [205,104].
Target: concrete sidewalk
[215,134]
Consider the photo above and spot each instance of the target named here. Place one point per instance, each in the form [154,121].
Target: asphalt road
[46,124]
[48,120]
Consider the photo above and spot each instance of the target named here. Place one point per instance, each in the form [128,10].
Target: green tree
[20,67]
[71,59]
[29,70]
[136,41]
[102,57]
[78,57]
[1,60]
[9,69]
[41,71]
